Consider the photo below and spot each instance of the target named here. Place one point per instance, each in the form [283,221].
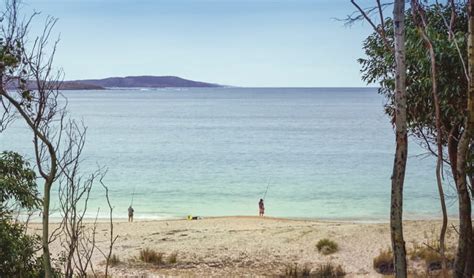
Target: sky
[250,43]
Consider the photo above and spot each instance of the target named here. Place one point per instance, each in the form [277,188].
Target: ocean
[323,153]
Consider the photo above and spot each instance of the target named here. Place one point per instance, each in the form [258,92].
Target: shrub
[383,263]
[151,256]
[329,271]
[327,246]
[431,256]
[18,251]
[292,270]
[173,258]
[18,256]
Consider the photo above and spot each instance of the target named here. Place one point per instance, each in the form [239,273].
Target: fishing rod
[133,195]
[268,185]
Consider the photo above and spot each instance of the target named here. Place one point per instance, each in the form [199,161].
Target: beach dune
[249,246]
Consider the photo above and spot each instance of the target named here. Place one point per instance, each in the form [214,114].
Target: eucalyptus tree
[401,152]
[395,48]
[445,53]
[464,263]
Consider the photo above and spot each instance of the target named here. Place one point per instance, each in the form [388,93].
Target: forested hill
[140,82]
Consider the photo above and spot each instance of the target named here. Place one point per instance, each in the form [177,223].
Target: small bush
[173,258]
[114,260]
[292,270]
[431,256]
[327,246]
[151,256]
[329,271]
[383,263]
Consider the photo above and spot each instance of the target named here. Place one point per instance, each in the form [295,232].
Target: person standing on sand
[130,214]
[261,207]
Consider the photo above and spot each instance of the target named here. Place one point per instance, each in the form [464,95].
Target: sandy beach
[250,246]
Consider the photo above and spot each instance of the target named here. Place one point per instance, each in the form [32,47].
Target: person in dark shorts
[130,214]
[261,207]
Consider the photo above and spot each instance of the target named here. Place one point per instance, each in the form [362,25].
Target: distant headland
[145,81]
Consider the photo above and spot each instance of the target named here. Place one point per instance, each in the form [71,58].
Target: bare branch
[381,30]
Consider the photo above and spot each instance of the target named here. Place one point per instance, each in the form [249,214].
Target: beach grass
[383,263]
[148,255]
[326,246]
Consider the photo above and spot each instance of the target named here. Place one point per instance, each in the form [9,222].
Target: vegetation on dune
[326,246]
[18,191]
[429,252]
[329,271]
[148,255]
[114,260]
[173,258]
[383,263]
[293,270]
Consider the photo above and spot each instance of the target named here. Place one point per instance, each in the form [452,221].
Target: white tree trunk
[399,165]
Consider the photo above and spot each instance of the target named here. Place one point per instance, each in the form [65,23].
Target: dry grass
[323,271]
[292,270]
[114,260]
[173,258]
[431,256]
[150,256]
[383,263]
[326,246]
[329,271]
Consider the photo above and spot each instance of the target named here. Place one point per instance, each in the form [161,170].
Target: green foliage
[17,252]
[378,67]
[17,182]
[10,55]
[327,246]
[18,188]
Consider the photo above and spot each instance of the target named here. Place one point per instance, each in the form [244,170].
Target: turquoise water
[327,153]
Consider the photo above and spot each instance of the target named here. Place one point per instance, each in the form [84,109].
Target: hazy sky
[232,42]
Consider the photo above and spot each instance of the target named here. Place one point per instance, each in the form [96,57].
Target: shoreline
[54,219]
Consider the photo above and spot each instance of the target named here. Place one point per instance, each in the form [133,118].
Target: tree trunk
[420,20]
[453,150]
[462,266]
[439,162]
[399,165]
[45,239]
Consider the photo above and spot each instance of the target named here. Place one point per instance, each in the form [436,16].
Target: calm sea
[325,153]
